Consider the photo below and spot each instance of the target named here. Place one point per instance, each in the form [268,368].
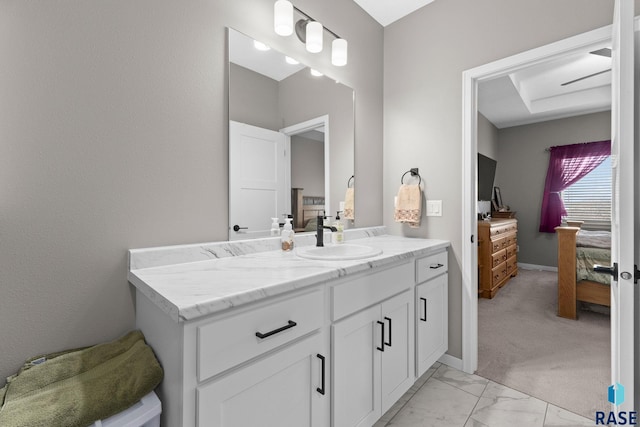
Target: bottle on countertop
[338,235]
[275,227]
[286,237]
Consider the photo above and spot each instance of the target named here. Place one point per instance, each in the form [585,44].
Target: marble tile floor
[444,396]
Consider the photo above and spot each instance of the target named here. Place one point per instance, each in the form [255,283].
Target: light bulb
[314,36]
[283,18]
[339,52]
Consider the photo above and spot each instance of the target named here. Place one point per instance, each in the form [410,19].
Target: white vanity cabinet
[263,364]
[431,310]
[273,340]
[373,349]
[287,388]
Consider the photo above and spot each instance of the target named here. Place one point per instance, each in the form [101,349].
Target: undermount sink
[338,252]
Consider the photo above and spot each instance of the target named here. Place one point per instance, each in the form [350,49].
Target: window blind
[589,199]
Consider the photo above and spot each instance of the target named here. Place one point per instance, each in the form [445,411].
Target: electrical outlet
[434,207]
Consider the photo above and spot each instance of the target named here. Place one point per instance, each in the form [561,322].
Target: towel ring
[349,181]
[413,172]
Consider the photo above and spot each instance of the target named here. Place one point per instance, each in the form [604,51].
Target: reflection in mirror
[291,141]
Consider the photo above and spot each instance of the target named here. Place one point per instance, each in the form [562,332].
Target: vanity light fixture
[283,18]
[308,30]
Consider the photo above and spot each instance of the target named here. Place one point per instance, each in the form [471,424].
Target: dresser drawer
[512,263]
[225,343]
[498,274]
[498,258]
[498,244]
[431,266]
[512,250]
[511,239]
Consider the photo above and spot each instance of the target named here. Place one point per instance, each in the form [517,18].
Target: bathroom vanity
[250,335]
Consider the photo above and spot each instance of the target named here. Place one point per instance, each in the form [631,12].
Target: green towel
[77,387]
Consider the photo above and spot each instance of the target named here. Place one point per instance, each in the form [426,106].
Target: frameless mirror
[291,141]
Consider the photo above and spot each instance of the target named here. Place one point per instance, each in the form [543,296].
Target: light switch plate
[434,207]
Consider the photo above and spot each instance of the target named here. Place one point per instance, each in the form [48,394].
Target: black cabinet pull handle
[321,389]
[388,343]
[289,325]
[381,337]
[438,265]
[424,304]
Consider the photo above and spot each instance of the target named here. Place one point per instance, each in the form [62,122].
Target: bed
[305,210]
[578,251]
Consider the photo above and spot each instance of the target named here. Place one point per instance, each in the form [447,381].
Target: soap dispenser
[286,237]
[275,227]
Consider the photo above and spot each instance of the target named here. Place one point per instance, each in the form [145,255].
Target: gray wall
[522,170]
[307,165]
[113,135]
[425,54]
[487,138]
[255,98]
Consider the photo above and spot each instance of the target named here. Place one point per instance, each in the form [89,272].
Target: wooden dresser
[497,254]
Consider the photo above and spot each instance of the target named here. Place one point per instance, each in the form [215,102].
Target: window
[589,199]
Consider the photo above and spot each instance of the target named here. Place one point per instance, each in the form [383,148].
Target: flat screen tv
[486,175]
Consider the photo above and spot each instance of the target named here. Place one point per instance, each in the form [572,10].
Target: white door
[282,390]
[431,327]
[398,369]
[357,344]
[623,202]
[257,180]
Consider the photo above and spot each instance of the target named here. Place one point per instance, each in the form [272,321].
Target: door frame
[289,131]
[470,78]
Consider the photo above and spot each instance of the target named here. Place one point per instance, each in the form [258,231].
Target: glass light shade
[283,18]
[314,37]
[339,52]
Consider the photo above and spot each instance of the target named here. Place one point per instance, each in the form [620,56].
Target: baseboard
[451,361]
[537,267]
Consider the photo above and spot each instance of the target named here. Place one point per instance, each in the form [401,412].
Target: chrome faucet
[320,230]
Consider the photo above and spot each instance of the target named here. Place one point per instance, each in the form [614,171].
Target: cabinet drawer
[511,251]
[512,239]
[431,266]
[501,230]
[512,263]
[225,343]
[497,244]
[498,258]
[498,273]
[354,295]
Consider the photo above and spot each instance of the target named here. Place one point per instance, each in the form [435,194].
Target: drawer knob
[436,266]
[290,324]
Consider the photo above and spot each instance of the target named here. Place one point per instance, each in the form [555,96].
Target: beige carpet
[523,344]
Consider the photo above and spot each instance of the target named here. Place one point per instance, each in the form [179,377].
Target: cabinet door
[397,370]
[431,322]
[280,390]
[356,369]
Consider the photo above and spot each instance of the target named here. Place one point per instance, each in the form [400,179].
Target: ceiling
[386,11]
[537,93]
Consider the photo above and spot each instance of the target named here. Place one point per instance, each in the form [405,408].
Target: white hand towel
[409,205]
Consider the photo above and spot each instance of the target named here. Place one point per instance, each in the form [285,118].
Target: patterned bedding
[593,247]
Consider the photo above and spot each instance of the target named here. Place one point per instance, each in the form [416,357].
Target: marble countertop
[238,273]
